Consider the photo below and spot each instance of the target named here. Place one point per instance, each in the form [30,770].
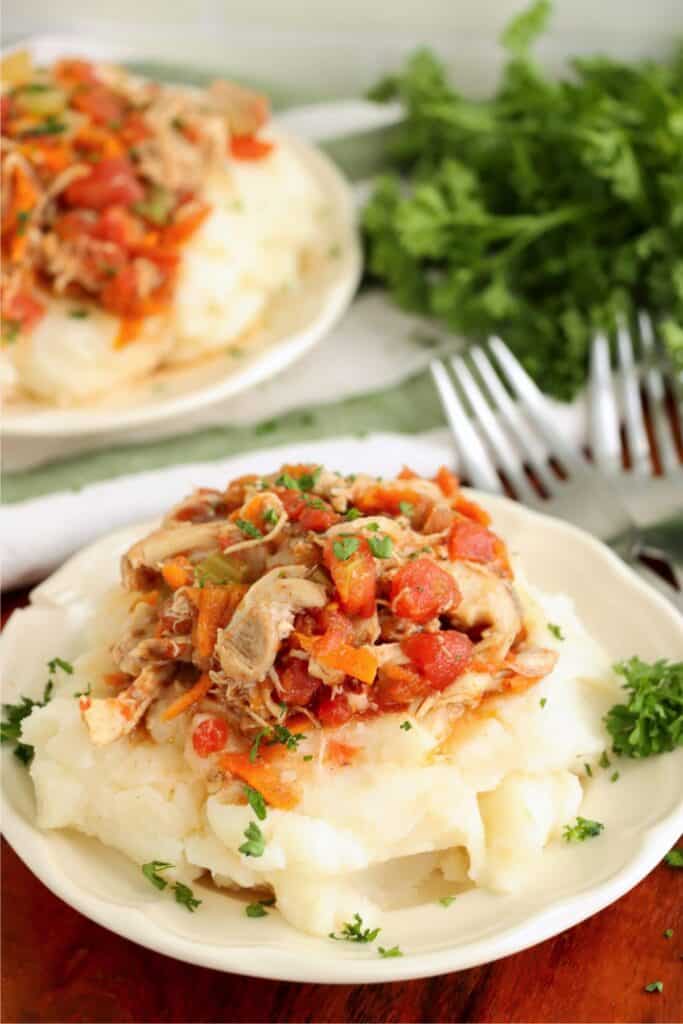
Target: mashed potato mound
[473,804]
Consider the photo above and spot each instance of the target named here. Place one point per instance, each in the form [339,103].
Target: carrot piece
[447,481]
[354,661]
[182,229]
[129,329]
[407,474]
[177,572]
[264,777]
[216,607]
[190,697]
[473,511]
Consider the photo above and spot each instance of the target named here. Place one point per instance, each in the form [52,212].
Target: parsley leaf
[353,931]
[668,933]
[406,508]
[247,528]
[387,953]
[446,901]
[84,693]
[655,986]
[543,701]
[353,513]
[381,547]
[151,872]
[345,547]
[674,858]
[256,802]
[65,666]
[406,726]
[185,896]
[256,910]
[582,830]
[604,761]
[555,630]
[651,722]
[10,727]
[271,517]
[255,843]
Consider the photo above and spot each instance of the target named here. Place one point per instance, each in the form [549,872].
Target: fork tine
[473,455]
[656,396]
[536,408]
[634,423]
[506,455]
[604,415]
[534,452]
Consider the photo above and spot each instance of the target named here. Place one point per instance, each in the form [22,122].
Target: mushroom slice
[248,646]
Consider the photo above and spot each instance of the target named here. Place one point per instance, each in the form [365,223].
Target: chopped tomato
[297,685]
[398,684]
[24,309]
[109,182]
[118,225]
[354,577]
[120,294]
[473,542]
[447,481]
[381,498]
[210,736]
[185,225]
[334,711]
[318,519]
[248,147]
[74,224]
[134,129]
[421,590]
[439,657]
[75,71]
[99,103]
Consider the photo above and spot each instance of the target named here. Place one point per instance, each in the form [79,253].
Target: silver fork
[538,465]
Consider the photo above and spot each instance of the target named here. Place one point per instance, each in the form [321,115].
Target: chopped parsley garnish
[614,776]
[446,901]
[345,547]
[353,513]
[651,721]
[247,528]
[157,205]
[255,801]
[655,986]
[308,757]
[582,830]
[271,517]
[65,666]
[387,953]
[406,508]
[259,909]
[543,701]
[10,727]
[277,734]
[354,931]
[50,126]
[589,770]
[185,896]
[151,872]
[674,858]
[406,726]
[381,547]
[10,330]
[555,630]
[604,761]
[288,481]
[306,482]
[255,843]
[668,933]
[23,217]
[79,314]
[84,693]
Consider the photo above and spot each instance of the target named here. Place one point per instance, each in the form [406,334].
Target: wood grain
[58,966]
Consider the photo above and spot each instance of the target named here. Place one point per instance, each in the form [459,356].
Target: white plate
[295,322]
[643,812]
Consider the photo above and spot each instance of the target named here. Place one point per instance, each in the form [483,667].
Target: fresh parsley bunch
[541,213]
[651,722]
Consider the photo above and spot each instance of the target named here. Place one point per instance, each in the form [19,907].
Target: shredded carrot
[358,662]
[447,481]
[472,510]
[180,231]
[117,679]
[263,776]
[129,329]
[216,607]
[190,697]
[177,572]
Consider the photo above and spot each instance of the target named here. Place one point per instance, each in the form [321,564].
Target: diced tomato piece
[473,542]
[397,685]
[447,481]
[99,103]
[210,736]
[120,294]
[336,627]
[318,519]
[293,502]
[248,147]
[297,685]
[74,224]
[421,590]
[134,129]
[439,657]
[355,577]
[334,711]
[110,181]
[118,225]
[75,71]
[23,308]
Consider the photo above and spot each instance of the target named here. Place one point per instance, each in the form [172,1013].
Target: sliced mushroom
[248,646]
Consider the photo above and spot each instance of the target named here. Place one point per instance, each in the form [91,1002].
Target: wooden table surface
[59,966]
